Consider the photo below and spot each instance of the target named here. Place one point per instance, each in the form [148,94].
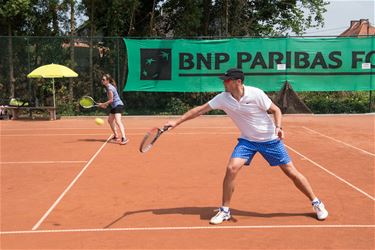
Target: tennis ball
[99,121]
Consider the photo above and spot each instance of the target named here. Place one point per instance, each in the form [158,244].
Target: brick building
[360,27]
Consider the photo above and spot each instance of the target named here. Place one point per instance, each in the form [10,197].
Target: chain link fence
[89,57]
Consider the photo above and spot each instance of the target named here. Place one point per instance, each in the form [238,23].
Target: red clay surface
[64,187]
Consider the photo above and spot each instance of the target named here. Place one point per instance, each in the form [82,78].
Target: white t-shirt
[249,114]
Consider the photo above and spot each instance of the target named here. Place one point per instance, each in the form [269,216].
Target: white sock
[316,200]
[225,209]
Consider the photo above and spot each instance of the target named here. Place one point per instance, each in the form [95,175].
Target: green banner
[308,64]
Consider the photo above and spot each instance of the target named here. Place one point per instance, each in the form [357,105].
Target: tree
[44,18]
[184,17]
[125,17]
[70,6]
[241,17]
[11,12]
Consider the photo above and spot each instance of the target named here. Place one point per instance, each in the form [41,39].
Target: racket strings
[86,102]
[149,139]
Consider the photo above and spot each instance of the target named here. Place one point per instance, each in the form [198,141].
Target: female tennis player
[117,107]
[247,107]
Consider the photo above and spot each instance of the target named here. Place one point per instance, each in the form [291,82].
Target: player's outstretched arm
[191,114]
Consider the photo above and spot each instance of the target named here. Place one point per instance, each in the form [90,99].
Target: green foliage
[240,17]
[119,17]
[177,107]
[184,17]
[13,8]
[336,102]
[165,18]
[67,109]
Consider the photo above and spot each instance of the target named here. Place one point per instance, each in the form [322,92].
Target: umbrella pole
[54,100]
[53,91]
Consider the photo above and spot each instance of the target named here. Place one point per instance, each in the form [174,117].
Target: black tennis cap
[233,74]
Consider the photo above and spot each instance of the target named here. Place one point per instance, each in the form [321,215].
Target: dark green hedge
[338,102]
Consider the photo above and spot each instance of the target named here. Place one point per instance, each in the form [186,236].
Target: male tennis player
[247,107]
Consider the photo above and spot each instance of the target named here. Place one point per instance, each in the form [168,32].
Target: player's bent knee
[233,168]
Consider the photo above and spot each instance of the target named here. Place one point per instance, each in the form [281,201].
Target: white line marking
[331,173]
[70,186]
[43,129]
[41,162]
[139,133]
[184,228]
[206,133]
[137,128]
[346,144]
[38,135]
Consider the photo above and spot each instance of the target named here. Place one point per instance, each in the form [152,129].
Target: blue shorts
[273,151]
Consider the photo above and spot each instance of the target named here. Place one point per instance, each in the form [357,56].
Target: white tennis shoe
[220,217]
[124,141]
[320,210]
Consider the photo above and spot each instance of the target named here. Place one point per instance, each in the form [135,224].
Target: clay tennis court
[64,186]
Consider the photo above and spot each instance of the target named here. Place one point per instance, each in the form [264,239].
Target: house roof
[360,27]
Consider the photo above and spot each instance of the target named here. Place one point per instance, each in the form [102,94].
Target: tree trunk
[226,18]
[131,20]
[55,22]
[72,63]
[10,58]
[152,28]
[91,48]
[206,17]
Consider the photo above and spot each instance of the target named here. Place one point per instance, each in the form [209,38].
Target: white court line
[43,129]
[104,128]
[38,135]
[41,162]
[185,228]
[70,186]
[331,173]
[139,133]
[346,144]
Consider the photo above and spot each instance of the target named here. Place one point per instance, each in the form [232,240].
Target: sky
[340,13]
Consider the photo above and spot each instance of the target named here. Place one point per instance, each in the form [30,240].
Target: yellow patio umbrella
[52,71]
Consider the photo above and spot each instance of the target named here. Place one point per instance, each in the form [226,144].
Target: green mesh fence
[92,57]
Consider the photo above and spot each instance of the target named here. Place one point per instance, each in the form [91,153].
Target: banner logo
[156,64]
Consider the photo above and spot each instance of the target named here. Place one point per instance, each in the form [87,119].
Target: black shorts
[117,109]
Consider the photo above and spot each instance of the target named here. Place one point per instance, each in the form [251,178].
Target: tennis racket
[151,137]
[87,102]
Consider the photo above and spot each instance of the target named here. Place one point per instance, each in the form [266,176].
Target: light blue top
[116,98]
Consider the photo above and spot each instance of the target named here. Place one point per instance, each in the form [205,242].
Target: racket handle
[165,128]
